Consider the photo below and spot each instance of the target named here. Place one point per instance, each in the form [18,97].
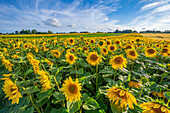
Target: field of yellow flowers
[113,74]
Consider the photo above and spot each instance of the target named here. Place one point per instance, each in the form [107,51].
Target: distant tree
[22,32]
[17,32]
[50,32]
[34,31]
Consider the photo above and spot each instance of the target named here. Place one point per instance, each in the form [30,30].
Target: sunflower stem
[115,74]
[56,82]
[96,78]
[32,101]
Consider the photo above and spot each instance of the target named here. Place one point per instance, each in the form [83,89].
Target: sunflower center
[73,88]
[128,47]
[93,57]
[92,41]
[157,45]
[137,40]
[101,43]
[132,53]
[118,60]
[165,46]
[164,50]
[71,57]
[25,45]
[108,42]
[104,50]
[71,40]
[112,48]
[151,51]
[121,94]
[157,110]
[117,42]
[56,53]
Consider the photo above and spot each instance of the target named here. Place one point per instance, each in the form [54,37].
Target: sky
[84,15]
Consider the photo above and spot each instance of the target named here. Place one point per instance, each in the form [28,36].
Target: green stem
[96,78]
[115,75]
[32,101]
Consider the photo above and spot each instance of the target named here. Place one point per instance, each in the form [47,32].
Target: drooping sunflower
[118,62]
[56,53]
[71,89]
[93,58]
[7,64]
[11,91]
[152,107]
[104,51]
[111,48]
[7,77]
[150,52]
[121,97]
[131,54]
[45,80]
[70,58]
[134,84]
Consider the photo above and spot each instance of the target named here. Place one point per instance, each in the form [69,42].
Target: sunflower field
[127,73]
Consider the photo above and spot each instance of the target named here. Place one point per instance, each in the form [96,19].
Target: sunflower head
[150,52]
[165,51]
[56,53]
[118,62]
[131,54]
[93,58]
[134,84]
[121,97]
[11,91]
[101,43]
[104,51]
[111,48]
[71,41]
[92,41]
[71,89]
[152,107]
[70,58]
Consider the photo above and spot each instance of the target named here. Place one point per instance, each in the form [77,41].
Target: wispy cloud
[52,22]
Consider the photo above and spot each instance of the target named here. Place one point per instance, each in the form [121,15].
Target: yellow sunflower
[128,47]
[121,97]
[71,41]
[151,107]
[104,51]
[49,62]
[70,58]
[131,54]
[56,53]
[26,46]
[5,50]
[109,42]
[150,52]
[117,42]
[11,91]
[134,84]
[45,80]
[118,62]
[165,52]
[92,41]
[71,89]
[101,43]
[7,64]
[93,58]
[111,48]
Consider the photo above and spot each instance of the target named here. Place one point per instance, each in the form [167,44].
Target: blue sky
[84,15]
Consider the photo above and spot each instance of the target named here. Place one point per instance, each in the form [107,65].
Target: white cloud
[71,25]
[52,22]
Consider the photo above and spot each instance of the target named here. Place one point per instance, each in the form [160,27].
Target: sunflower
[30,56]
[117,42]
[71,41]
[118,62]
[158,94]
[71,89]
[70,58]
[104,51]
[128,47]
[150,52]
[121,97]
[101,43]
[93,58]
[152,107]
[35,64]
[11,91]
[15,56]
[5,50]
[165,52]
[26,46]
[7,64]
[108,42]
[48,62]
[85,49]
[111,48]
[45,81]
[7,77]
[157,45]
[134,84]
[86,43]
[131,54]
[92,41]
[56,53]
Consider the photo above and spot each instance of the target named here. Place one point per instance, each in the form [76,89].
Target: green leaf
[84,96]
[54,110]
[107,70]
[102,89]
[167,95]
[29,110]
[79,72]
[31,89]
[59,96]
[91,104]
[73,107]
[28,72]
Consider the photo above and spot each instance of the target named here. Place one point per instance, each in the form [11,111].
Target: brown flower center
[93,57]
[104,50]
[164,50]
[71,40]
[112,48]
[118,60]
[151,51]
[108,42]
[73,88]
[71,57]
[56,53]
[124,96]
[157,110]
[92,41]
[165,45]
[117,42]
[137,40]
[132,53]
[128,47]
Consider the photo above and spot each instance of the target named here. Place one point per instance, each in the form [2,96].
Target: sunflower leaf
[91,104]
